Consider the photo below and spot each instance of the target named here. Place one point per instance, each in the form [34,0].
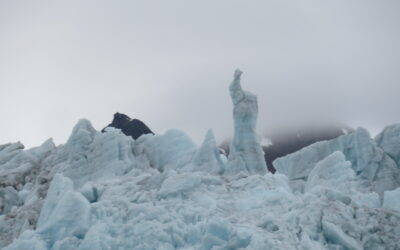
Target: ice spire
[246,153]
[208,156]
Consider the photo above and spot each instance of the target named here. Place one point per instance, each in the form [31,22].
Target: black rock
[130,127]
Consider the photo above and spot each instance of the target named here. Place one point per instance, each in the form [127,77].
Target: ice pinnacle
[246,153]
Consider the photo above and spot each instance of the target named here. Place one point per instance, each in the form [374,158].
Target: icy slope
[108,191]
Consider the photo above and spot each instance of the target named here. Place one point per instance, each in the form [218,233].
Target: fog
[169,64]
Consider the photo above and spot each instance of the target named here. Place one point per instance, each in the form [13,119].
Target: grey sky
[169,63]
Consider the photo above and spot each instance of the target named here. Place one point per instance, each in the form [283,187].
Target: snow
[108,191]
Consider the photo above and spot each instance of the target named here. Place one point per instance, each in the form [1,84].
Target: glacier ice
[331,172]
[92,155]
[391,199]
[69,216]
[368,160]
[109,191]
[389,141]
[9,198]
[246,153]
[179,185]
[336,235]
[334,178]
[207,158]
[164,150]
[25,171]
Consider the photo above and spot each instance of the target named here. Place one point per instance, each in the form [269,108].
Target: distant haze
[169,64]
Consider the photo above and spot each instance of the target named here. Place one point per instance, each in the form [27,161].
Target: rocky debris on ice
[109,191]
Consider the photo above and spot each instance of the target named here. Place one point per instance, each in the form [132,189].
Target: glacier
[162,191]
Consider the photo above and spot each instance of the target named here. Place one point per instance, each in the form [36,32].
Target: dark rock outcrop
[290,141]
[130,127]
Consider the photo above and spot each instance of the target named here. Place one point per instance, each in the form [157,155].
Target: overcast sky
[169,63]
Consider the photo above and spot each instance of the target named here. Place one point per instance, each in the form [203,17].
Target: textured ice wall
[92,155]
[24,180]
[246,153]
[163,151]
[207,158]
[368,160]
[389,141]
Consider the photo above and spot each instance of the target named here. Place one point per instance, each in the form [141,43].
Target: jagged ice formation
[246,153]
[109,191]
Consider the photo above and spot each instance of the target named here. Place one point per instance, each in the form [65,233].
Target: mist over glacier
[164,191]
